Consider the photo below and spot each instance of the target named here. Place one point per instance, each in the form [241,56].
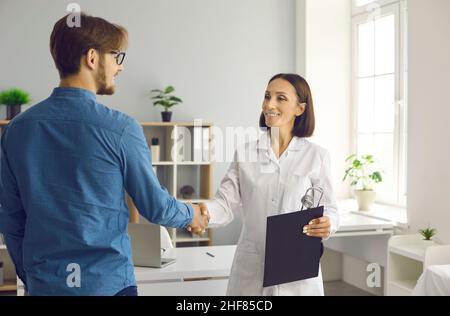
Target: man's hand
[200,219]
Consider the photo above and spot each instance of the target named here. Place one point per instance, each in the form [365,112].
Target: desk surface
[396,215]
[191,262]
[356,222]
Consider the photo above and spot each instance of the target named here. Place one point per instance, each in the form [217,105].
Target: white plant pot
[427,243]
[365,199]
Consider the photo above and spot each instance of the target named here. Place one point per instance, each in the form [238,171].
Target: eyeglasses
[120,56]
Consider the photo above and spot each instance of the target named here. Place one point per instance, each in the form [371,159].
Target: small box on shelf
[155,149]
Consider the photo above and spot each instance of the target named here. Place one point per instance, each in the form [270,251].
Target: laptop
[146,246]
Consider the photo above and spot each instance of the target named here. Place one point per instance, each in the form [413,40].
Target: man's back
[63,153]
[65,165]
[72,159]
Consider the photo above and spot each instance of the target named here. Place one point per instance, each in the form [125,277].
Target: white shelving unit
[174,172]
[408,257]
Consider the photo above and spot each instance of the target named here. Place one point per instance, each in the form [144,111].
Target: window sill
[395,214]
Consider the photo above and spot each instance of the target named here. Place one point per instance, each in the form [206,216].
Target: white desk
[353,224]
[193,274]
[365,235]
[381,220]
[196,273]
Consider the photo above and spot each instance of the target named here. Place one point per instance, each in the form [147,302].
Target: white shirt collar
[264,142]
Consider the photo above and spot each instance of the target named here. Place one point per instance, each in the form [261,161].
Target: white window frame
[361,15]
[363,9]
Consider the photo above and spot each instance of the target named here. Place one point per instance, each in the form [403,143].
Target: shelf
[176,168]
[155,124]
[171,124]
[163,163]
[416,252]
[406,285]
[191,239]
[184,236]
[408,257]
[193,163]
[181,163]
[8,286]
[193,201]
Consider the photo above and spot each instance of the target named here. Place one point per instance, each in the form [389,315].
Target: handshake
[200,219]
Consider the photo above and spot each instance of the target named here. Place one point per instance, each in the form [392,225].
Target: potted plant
[428,234]
[363,179]
[165,99]
[14,99]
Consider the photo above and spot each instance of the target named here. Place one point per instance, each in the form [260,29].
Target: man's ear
[91,59]
[301,109]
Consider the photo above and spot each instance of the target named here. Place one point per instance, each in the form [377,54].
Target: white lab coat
[269,186]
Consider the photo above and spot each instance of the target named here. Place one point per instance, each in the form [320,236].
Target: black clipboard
[290,254]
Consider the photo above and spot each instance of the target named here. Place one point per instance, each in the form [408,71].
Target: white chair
[166,241]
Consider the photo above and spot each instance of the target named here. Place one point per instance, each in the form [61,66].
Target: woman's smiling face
[281,104]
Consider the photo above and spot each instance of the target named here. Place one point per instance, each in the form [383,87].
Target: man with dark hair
[65,165]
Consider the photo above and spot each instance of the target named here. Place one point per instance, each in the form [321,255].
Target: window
[379,91]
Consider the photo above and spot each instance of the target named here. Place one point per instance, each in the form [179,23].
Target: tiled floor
[339,288]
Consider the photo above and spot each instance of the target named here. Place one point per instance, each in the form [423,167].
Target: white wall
[428,118]
[325,59]
[218,54]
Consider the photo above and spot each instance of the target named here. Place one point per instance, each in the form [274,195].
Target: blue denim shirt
[65,165]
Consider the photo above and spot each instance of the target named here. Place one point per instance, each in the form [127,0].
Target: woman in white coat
[286,164]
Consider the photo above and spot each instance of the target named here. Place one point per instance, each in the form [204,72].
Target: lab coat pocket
[294,190]
[248,273]
[301,179]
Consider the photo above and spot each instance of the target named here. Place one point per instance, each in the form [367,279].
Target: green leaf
[357,164]
[161,102]
[175,99]
[14,97]
[376,176]
[169,89]
[368,158]
[350,158]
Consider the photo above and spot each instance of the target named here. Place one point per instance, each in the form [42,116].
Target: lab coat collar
[264,142]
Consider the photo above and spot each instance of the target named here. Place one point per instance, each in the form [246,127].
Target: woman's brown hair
[304,125]
[68,44]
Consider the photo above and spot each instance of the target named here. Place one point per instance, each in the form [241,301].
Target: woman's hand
[320,227]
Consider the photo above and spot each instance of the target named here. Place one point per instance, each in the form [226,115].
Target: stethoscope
[308,200]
